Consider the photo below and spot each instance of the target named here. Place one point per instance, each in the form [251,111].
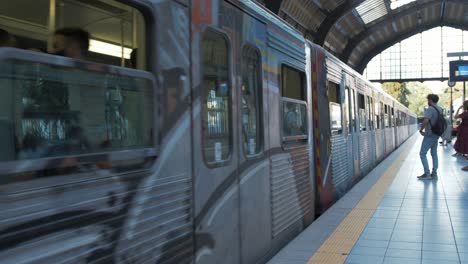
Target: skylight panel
[371,10]
[398,3]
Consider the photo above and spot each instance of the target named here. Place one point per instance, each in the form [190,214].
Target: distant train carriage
[203,131]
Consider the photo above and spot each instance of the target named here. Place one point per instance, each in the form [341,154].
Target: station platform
[390,216]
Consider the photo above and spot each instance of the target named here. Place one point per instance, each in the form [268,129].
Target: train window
[377,115]
[60,108]
[392,119]
[216,98]
[386,117]
[347,125]
[251,100]
[334,93]
[104,31]
[382,114]
[293,83]
[362,112]
[334,97]
[369,112]
[294,104]
[353,110]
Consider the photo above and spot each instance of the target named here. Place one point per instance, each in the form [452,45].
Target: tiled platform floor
[419,221]
[416,222]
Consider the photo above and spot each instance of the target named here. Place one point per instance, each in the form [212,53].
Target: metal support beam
[332,18]
[372,53]
[274,5]
[354,42]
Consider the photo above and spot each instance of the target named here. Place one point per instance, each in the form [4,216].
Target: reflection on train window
[362,112]
[216,98]
[251,100]
[51,110]
[116,31]
[294,104]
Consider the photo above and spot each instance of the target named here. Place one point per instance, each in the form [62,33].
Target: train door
[214,126]
[254,169]
[353,133]
[355,129]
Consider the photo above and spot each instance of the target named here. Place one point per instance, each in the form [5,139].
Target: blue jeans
[429,142]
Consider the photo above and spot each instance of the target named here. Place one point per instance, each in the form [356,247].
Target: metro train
[223,139]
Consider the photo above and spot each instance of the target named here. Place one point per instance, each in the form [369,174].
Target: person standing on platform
[431,116]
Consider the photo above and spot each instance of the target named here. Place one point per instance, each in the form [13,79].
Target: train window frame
[228,41]
[53,161]
[259,100]
[285,100]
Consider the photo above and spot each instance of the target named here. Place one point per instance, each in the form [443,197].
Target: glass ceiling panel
[421,56]
[394,4]
[371,10]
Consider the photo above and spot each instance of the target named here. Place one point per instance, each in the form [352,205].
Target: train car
[355,126]
[203,131]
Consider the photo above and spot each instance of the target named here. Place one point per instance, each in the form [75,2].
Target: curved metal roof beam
[332,18]
[372,53]
[353,42]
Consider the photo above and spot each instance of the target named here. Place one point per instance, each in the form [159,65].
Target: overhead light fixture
[109,49]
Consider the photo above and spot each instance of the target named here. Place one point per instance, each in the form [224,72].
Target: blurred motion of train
[223,141]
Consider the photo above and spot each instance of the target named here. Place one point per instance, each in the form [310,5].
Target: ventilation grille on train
[340,161]
[290,188]
[365,151]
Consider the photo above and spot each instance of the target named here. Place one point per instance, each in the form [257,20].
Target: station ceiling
[357,30]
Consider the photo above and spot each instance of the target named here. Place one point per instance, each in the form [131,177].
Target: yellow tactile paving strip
[338,246]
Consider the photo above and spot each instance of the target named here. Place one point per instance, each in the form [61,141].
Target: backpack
[439,127]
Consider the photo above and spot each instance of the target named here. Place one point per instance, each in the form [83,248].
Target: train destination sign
[459,70]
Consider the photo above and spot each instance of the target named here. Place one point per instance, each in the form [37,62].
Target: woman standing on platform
[461,145]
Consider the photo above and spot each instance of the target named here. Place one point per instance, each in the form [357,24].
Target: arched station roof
[357,30]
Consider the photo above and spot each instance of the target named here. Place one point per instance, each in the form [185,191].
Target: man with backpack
[432,128]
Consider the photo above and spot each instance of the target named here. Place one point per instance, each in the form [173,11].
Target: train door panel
[215,134]
[254,169]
